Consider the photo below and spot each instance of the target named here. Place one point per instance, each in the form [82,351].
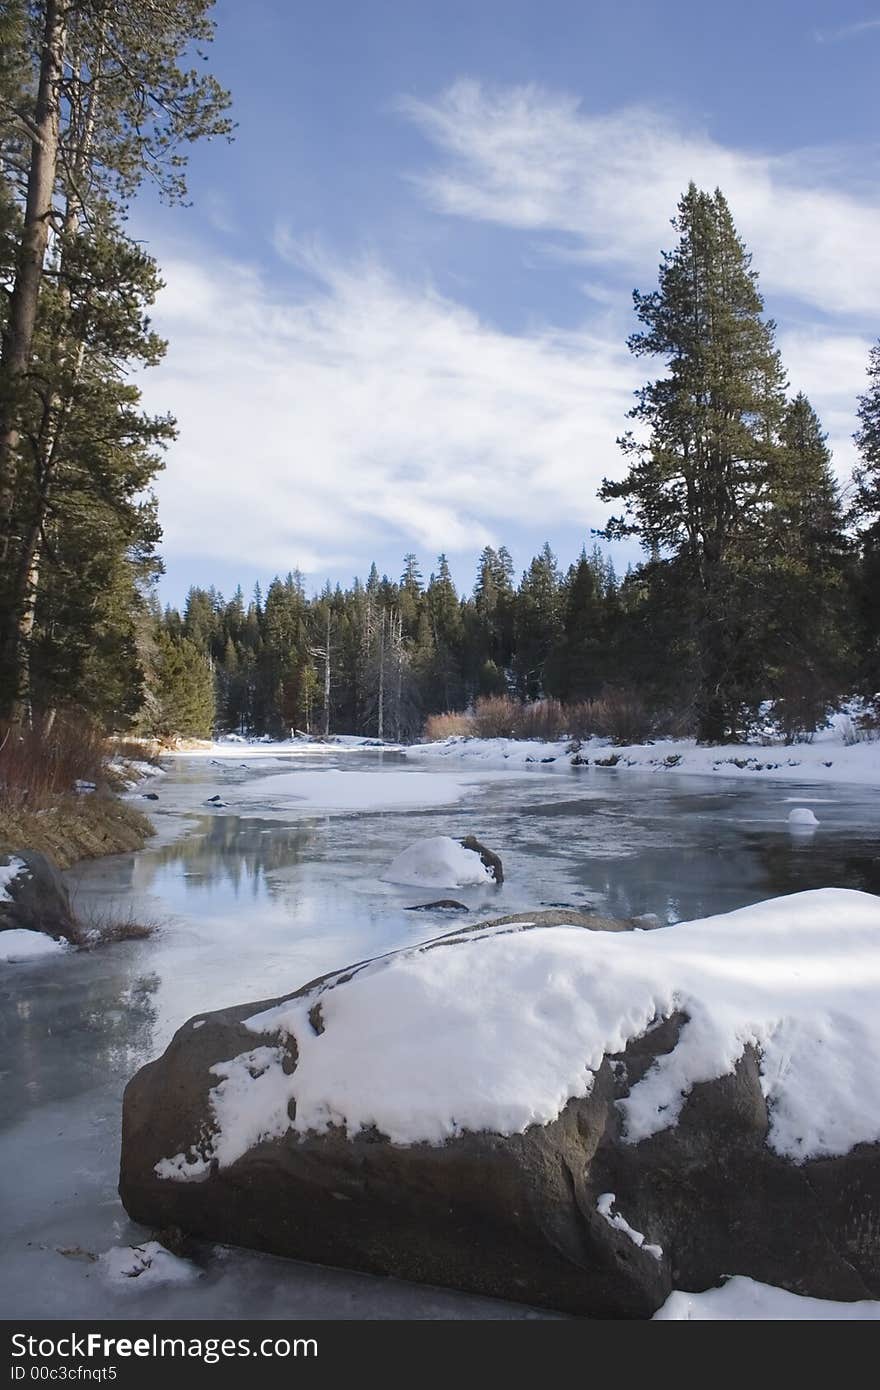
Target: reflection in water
[235,851]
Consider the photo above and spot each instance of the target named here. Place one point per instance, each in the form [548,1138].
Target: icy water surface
[257,897]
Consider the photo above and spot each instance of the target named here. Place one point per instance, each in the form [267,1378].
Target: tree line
[760,580]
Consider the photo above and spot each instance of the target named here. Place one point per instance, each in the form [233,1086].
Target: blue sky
[398,306]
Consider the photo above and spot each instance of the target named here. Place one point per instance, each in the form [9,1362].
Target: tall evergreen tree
[103,102]
[866,512]
[697,487]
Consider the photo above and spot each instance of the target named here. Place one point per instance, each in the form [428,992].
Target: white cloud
[336,411]
[362,407]
[529,158]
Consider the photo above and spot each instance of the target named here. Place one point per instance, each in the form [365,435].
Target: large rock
[571,1213]
[33,896]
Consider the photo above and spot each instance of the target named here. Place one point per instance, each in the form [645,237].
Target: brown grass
[75,827]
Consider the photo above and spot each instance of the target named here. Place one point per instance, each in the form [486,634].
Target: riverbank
[838,754]
[75,828]
[62,793]
[830,758]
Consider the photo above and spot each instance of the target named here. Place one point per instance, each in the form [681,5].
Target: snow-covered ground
[18,945]
[832,756]
[829,758]
[745,1300]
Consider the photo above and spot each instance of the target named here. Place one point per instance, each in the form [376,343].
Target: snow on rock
[248,1106]
[17,945]
[745,1300]
[7,873]
[145,1266]
[604,1206]
[438,862]
[500,1030]
[802,818]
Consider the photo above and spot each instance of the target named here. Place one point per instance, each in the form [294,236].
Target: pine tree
[808,655]
[103,103]
[866,512]
[696,490]
[538,622]
[181,700]
[867,438]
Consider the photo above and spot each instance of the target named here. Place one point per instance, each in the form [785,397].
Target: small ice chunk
[802,818]
[146,1266]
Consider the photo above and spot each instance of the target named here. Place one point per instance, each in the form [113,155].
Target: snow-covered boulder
[577,1118]
[802,818]
[441,862]
[33,896]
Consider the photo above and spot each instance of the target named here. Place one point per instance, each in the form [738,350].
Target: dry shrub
[135,750]
[543,719]
[107,928]
[497,716]
[449,725]
[40,763]
[621,715]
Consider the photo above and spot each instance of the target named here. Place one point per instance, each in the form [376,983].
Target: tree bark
[42,172]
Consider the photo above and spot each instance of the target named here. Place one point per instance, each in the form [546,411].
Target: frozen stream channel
[283,883]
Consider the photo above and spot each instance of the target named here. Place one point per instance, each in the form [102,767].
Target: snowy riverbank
[830,758]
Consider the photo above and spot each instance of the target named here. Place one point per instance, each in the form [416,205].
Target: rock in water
[33,896]
[408,1115]
[441,905]
[441,862]
[490,861]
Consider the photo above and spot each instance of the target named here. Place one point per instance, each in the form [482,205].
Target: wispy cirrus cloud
[846,31]
[608,184]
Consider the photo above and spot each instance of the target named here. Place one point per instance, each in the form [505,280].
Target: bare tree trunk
[399,651]
[327,679]
[17,346]
[22,600]
[380,732]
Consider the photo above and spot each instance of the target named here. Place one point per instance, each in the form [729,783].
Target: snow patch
[249,1105]
[438,862]
[145,1266]
[17,945]
[745,1300]
[8,872]
[604,1207]
[337,789]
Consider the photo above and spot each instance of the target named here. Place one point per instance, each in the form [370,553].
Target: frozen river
[282,883]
